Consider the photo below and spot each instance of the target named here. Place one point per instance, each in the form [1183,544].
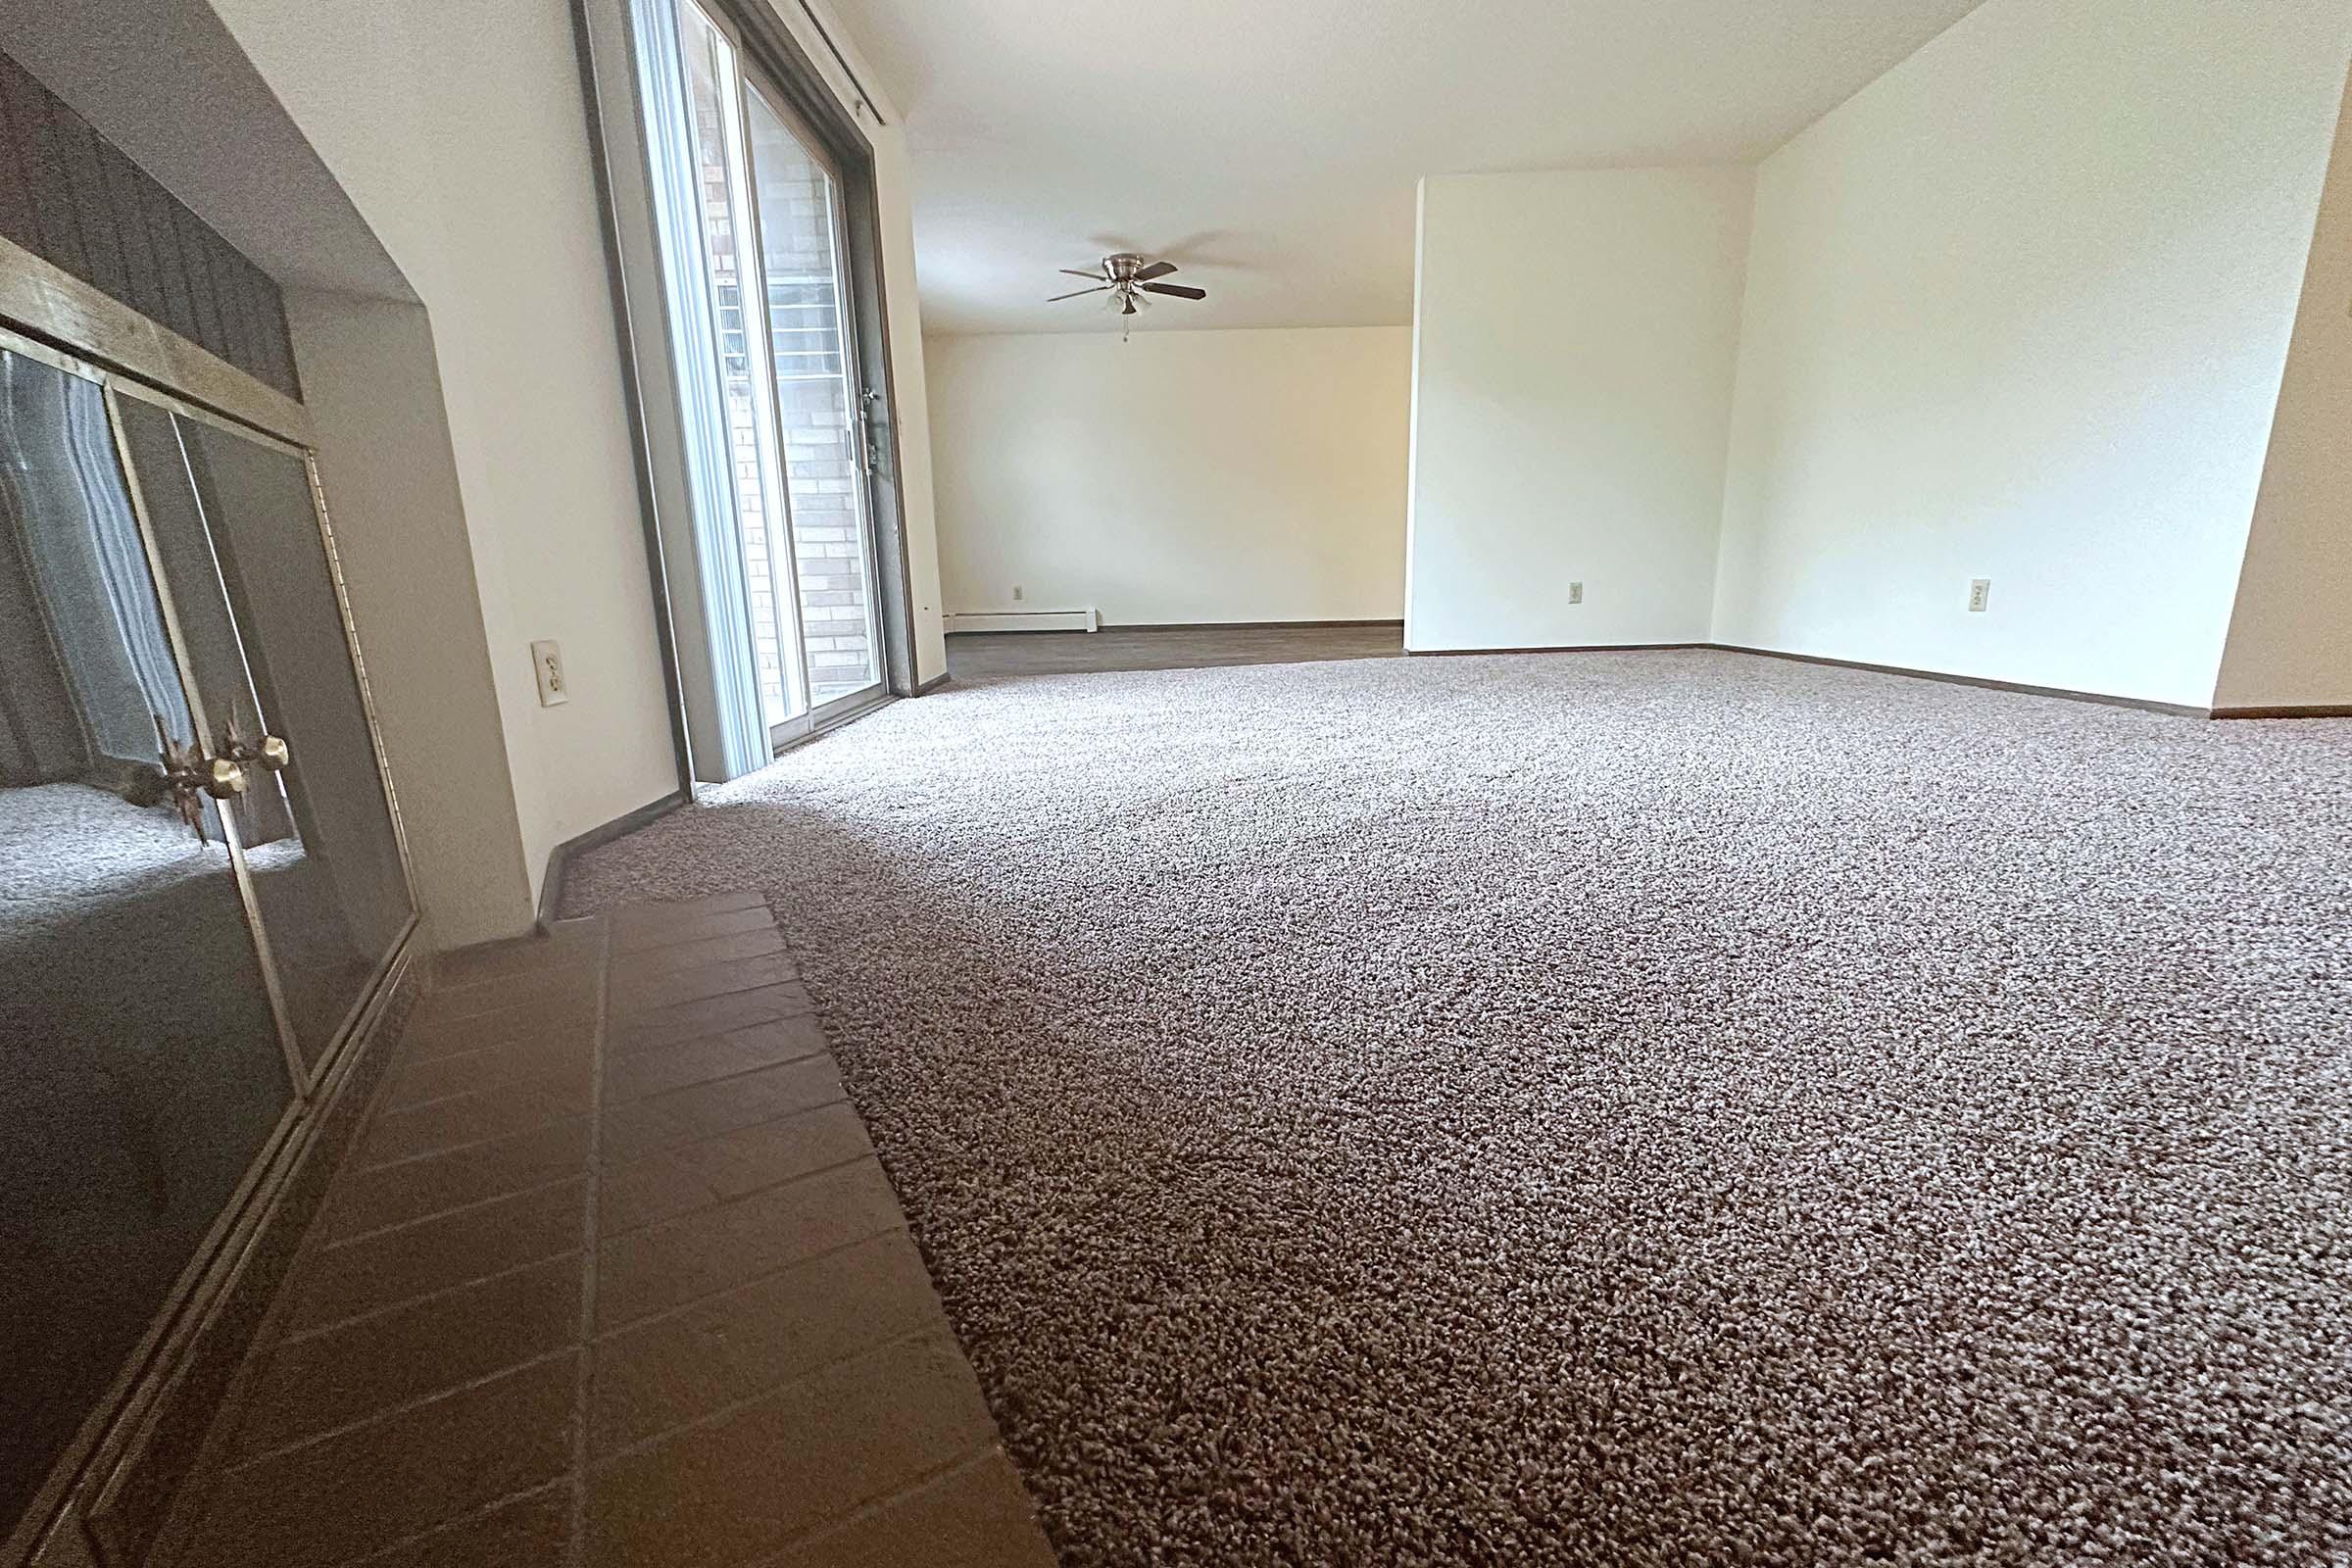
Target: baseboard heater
[1021,620]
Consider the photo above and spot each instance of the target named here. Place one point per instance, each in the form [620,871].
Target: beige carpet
[1600,1110]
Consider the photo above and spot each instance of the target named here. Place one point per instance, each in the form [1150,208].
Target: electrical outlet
[1017,593]
[547,663]
[1980,595]
[1576,592]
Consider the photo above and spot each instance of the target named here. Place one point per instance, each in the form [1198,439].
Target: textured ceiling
[1271,146]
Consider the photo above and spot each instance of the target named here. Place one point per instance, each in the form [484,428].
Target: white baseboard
[1021,620]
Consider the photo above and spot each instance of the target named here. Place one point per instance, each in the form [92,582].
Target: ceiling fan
[1127,277]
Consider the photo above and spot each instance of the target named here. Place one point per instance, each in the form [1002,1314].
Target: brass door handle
[270,752]
[189,773]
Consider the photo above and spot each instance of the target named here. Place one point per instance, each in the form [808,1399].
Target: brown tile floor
[612,1276]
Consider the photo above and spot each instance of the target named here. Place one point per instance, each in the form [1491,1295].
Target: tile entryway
[612,1276]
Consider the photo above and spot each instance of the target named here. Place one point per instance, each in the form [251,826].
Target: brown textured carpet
[1601,1109]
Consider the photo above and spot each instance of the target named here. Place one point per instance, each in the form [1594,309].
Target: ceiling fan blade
[1092,273]
[1101,288]
[1183,291]
[1155,269]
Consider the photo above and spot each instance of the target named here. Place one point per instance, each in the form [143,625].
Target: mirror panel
[237,530]
[199,600]
[140,1065]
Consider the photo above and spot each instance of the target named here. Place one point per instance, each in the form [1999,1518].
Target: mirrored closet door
[245,565]
[201,876]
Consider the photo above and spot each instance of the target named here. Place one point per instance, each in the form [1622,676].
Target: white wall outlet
[1576,592]
[1017,593]
[547,663]
[1980,595]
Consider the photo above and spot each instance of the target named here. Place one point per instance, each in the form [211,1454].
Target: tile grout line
[377,1232]
[447,1526]
[668,1150]
[575,1535]
[538,1035]
[647,1010]
[719,1414]
[529,969]
[722,1032]
[656,1151]
[704,1297]
[312,1331]
[649,969]
[272,1335]
[651,1095]
[840,1523]
[672,946]
[623,1048]
[471,1144]
[513,1020]
[531,1007]
[311,1439]
[500,1087]
[761,1189]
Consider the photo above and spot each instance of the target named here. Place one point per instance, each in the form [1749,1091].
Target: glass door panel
[217,654]
[237,528]
[714,106]
[140,1065]
[761,233]
[811,365]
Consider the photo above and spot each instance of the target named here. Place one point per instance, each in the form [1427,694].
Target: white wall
[1574,341]
[2018,311]
[1177,478]
[2291,633]
[458,131]
[376,403]
[894,201]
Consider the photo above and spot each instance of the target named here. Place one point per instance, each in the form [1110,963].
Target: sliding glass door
[819,405]
[772,258]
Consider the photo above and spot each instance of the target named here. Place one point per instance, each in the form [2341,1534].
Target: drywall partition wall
[2017,311]
[2291,633]
[458,130]
[1574,338]
[1179,477]
[391,481]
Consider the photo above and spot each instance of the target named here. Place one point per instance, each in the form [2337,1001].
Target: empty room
[947,784]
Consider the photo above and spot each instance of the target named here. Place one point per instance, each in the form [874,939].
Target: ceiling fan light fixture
[1128,279]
